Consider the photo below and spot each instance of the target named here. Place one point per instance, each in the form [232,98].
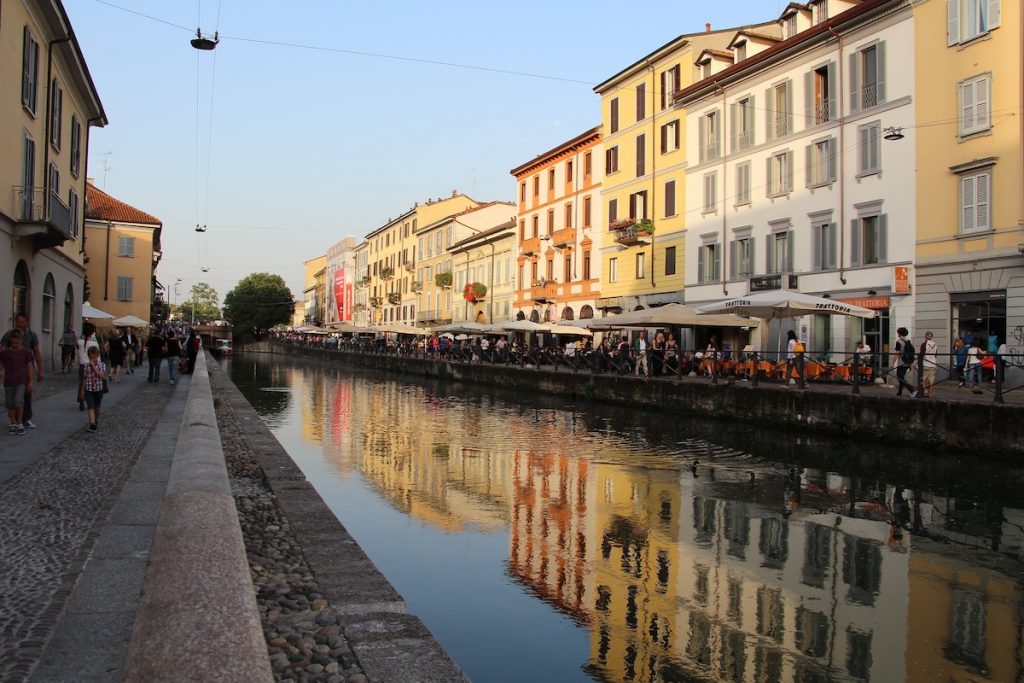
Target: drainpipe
[725,180]
[842,168]
[49,121]
[83,171]
[654,163]
[106,264]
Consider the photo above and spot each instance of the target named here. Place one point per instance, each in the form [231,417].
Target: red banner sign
[339,293]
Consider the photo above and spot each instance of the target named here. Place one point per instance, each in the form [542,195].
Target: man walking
[640,348]
[905,361]
[29,341]
[155,351]
[928,363]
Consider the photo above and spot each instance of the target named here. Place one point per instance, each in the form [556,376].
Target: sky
[313,120]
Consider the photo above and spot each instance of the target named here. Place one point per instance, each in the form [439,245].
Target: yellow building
[969,137]
[123,249]
[559,269]
[642,240]
[361,293]
[484,266]
[314,290]
[49,104]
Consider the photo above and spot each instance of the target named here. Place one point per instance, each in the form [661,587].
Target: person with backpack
[905,361]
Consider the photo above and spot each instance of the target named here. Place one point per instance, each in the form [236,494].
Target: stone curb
[197,618]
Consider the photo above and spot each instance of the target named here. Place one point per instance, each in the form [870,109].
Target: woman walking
[116,351]
[172,350]
[95,373]
[974,354]
[87,342]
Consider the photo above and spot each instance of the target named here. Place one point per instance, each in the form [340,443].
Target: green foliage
[443,279]
[202,304]
[259,302]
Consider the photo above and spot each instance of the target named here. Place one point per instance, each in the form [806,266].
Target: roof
[580,140]
[484,235]
[721,54]
[799,41]
[101,206]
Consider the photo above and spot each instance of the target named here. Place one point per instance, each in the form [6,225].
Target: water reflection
[684,550]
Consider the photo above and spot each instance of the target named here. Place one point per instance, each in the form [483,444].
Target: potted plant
[387,272]
[443,279]
[621,223]
[474,292]
[645,227]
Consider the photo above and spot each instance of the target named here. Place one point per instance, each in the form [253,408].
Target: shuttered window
[976,202]
[975,108]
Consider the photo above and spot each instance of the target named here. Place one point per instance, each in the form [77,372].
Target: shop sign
[901,280]
[873,302]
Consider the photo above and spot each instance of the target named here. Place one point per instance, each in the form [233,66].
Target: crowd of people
[99,358]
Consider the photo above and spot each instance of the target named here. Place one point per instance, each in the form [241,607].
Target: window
[522,231]
[29,71]
[975,202]
[741,257]
[779,254]
[76,146]
[708,263]
[640,261]
[641,101]
[613,210]
[124,288]
[587,212]
[611,160]
[73,210]
[869,148]
[536,186]
[586,265]
[54,180]
[568,172]
[789,24]
[669,84]
[739,52]
[551,221]
[670,198]
[641,155]
[536,226]
[743,184]
[710,192]
[824,245]
[522,186]
[534,273]
[820,94]
[819,11]
[568,215]
[551,271]
[613,115]
[821,162]
[780,174]
[613,270]
[670,260]
[588,164]
[670,137]
[969,19]
[709,133]
[743,124]
[567,268]
[28,176]
[868,240]
[551,179]
[779,110]
[638,205]
[975,112]
[56,113]
[867,77]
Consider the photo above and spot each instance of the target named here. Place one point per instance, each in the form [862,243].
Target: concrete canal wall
[977,428]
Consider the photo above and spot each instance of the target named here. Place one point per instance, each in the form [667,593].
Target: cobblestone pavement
[49,516]
[304,639]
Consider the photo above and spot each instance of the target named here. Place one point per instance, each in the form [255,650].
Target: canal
[541,540]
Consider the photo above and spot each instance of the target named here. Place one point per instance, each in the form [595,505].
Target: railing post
[856,372]
[757,368]
[920,376]
[999,379]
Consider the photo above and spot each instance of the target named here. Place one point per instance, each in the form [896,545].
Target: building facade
[790,182]
[314,292]
[559,223]
[485,267]
[49,105]
[970,170]
[123,250]
[340,280]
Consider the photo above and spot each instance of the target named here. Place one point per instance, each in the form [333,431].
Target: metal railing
[38,206]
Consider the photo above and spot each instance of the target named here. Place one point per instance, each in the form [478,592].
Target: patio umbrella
[518,326]
[399,328]
[129,321]
[88,311]
[568,330]
[466,326]
[782,303]
[674,315]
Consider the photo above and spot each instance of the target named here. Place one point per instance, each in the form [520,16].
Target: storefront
[979,314]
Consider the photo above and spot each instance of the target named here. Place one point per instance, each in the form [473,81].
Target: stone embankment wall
[978,428]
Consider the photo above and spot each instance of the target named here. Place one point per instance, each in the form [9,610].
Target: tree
[201,304]
[257,303]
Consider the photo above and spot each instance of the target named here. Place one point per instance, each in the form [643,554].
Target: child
[95,373]
[16,370]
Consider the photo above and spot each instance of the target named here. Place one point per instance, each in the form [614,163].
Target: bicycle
[67,358]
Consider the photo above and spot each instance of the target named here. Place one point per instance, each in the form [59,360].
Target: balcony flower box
[443,279]
[621,223]
[387,272]
[417,285]
[376,301]
[394,298]
[474,292]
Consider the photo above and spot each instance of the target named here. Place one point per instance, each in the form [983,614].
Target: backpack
[906,352]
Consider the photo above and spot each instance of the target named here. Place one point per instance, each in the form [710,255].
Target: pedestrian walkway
[77,515]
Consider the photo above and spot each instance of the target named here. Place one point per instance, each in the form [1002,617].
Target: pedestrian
[95,373]
[640,348]
[173,352]
[671,354]
[30,341]
[131,347]
[960,360]
[904,361]
[85,342]
[155,351]
[929,363]
[711,356]
[115,348]
[67,349]
[794,358]
[974,355]
[16,369]
[192,350]
[658,354]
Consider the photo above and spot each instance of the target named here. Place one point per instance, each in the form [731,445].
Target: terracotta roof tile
[101,206]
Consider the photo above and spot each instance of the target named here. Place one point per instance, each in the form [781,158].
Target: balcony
[544,292]
[432,316]
[364,281]
[387,272]
[639,233]
[531,246]
[566,237]
[376,301]
[417,285]
[394,298]
[410,267]
[45,221]
[621,223]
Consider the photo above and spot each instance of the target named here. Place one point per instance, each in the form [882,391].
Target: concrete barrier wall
[198,619]
[982,429]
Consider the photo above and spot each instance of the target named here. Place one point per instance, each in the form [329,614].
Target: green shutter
[790,250]
[789,171]
[700,263]
[832,229]
[854,82]
[809,118]
[732,259]
[882,247]
[855,242]
[833,159]
[809,164]
[880,65]
[702,137]
[769,127]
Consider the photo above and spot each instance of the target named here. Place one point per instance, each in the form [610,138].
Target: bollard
[999,379]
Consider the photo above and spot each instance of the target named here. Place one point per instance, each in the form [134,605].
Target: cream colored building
[314,291]
[486,258]
[49,103]
[123,247]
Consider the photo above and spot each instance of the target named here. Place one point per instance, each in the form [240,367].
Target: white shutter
[993,14]
[952,22]
[981,103]
[981,201]
[967,203]
[967,115]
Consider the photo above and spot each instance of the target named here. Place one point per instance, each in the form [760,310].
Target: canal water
[545,541]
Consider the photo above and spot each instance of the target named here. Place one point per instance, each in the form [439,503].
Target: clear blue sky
[282,150]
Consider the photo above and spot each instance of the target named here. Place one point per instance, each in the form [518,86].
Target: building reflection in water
[735,572]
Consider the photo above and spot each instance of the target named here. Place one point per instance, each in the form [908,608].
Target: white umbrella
[400,328]
[467,326]
[518,326]
[782,303]
[89,312]
[681,315]
[130,321]
[568,330]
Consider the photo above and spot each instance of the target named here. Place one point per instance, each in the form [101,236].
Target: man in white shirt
[929,363]
[640,351]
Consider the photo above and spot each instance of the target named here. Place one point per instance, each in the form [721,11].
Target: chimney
[707,28]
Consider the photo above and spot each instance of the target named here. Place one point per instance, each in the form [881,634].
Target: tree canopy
[202,304]
[257,303]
